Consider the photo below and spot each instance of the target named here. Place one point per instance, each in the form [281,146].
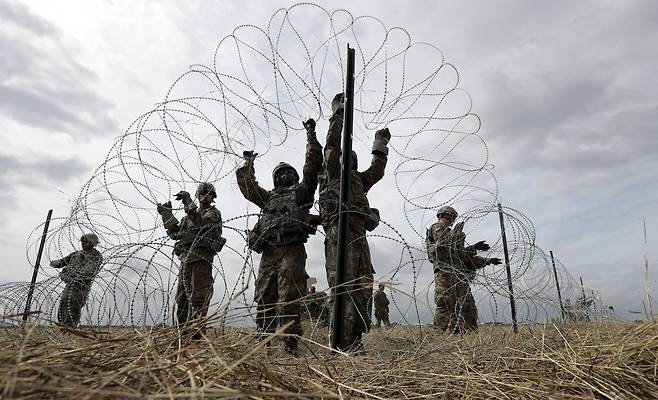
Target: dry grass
[611,361]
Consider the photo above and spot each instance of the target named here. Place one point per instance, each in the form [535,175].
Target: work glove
[56,263]
[380,144]
[184,197]
[309,125]
[249,155]
[494,261]
[164,208]
[338,104]
[383,134]
[481,246]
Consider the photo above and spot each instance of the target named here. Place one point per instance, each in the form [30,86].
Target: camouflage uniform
[316,305]
[78,273]
[280,234]
[198,239]
[455,267]
[359,271]
[381,308]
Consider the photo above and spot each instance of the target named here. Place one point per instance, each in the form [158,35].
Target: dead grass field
[602,361]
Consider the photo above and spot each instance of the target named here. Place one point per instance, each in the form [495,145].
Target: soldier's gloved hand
[309,125]
[163,208]
[459,228]
[249,156]
[184,197]
[494,261]
[338,104]
[383,134]
[481,246]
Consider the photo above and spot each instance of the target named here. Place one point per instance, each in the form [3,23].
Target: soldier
[316,305]
[280,233]
[78,272]
[312,304]
[359,271]
[455,266]
[381,307]
[198,239]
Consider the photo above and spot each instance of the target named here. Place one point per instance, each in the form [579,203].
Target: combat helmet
[447,210]
[280,167]
[206,187]
[90,238]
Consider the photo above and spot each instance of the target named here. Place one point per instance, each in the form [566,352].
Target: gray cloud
[43,85]
[45,169]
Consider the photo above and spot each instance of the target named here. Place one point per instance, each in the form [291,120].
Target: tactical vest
[330,198]
[207,238]
[282,220]
[446,254]
[82,268]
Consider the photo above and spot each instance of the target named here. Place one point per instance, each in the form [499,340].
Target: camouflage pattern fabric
[359,270]
[455,267]
[281,279]
[194,291]
[71,303]
[381,308]
[280,283]
[199,235]
[455,305]
[198,239]
[316,305]
[79,269]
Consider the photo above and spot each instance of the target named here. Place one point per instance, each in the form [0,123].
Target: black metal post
[33,283]
[557,285]
[582,288]
[338,326]
[508,270]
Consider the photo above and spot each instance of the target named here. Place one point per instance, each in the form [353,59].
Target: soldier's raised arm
[375,171]
[312,163]
[247,182]
[211,218]
[62,262]
[332,148]
[170,222]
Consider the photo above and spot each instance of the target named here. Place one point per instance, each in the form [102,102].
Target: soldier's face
[286,177]
[205,199]
[447,219]
[86,245]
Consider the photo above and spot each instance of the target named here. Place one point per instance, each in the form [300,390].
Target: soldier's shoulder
[438,226]
[214,211]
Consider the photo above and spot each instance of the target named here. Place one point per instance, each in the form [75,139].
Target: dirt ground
[603,361]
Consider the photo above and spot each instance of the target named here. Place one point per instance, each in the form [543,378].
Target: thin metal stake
[338,326]
[28,303]
[557,285]
[507,268]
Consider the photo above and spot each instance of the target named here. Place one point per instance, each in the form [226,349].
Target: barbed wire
[261,83]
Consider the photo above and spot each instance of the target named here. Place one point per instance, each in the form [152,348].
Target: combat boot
[291,346]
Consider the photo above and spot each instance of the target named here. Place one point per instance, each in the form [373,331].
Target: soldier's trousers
[455,306]
[381,315]
[71,303]
[358,280]
[280,284]
[194,290]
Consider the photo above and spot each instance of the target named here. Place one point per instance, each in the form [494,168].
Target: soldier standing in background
[455,267]
[358,271]
[280,233]
[198,239]
[79,269]
[381,307]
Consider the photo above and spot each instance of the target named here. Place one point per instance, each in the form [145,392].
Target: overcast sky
[567,93]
